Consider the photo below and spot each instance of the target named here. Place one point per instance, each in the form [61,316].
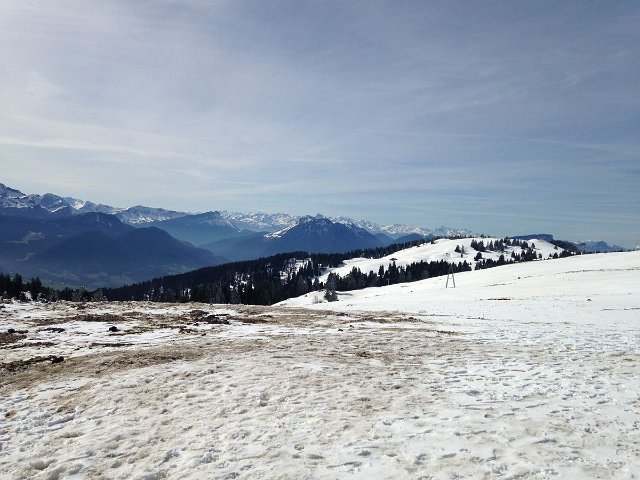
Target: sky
[509,117]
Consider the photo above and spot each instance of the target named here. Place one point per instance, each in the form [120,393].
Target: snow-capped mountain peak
[141,214]
[12,198]
[260,221]
[397,230]
[85,206]
[320,234]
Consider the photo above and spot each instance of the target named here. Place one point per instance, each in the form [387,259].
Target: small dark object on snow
[52,329]
[214,319]
[56,359]
[340,330]
[588,299]
[13,330]
[113,329]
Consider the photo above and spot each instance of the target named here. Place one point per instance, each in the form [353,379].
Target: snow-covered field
[523,371]
[440,250]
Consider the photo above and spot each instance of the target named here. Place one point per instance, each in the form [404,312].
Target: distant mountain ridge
[591,246]
[312,234]
[42,205]
[93,250]
[399,230]
[227,236]
[260,221]
[599,247]
[13,201]
[199,229]
[321,235]
[139,215]
[543,236]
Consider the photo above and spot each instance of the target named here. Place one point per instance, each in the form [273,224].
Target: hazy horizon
[503,117]
[258,211]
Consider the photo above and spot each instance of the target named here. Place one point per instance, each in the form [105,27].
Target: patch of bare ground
[100,317]
[252,320]
[7,338]
[35,367]
[54,320]
[209,318]
[110,344]
[21,365]
[15,346]
[27,373]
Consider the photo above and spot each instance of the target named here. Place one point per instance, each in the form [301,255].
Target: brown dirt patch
[103,317]
[27,373]
[7,338]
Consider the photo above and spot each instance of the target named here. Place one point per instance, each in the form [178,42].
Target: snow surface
[522,371]
[442,249]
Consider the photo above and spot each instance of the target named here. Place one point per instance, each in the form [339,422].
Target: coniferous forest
[273,279]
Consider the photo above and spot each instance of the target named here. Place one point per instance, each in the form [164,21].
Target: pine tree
[330,293]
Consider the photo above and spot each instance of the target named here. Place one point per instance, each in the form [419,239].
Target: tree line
[272,279]
[15,287]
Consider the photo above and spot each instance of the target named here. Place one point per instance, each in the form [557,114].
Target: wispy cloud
[379,108]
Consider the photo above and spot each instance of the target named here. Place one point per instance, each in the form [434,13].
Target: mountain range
[14,201]
[71,242]
[67,241]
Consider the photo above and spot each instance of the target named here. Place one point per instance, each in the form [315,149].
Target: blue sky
[502,117]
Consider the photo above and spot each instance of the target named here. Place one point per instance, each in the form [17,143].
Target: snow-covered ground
[443,249]
[523,371]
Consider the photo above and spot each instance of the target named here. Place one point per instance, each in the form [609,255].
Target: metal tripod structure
[453,278]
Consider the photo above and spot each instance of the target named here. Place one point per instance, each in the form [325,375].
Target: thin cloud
[303,100]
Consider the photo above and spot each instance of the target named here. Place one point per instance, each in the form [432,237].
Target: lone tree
[330,294]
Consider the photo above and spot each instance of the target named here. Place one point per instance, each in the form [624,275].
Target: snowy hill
[545,290]
[442,249]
